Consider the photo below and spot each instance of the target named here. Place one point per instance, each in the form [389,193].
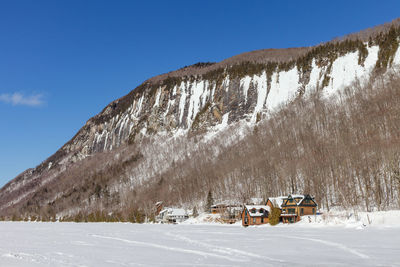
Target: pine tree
[195,212]
[209,202]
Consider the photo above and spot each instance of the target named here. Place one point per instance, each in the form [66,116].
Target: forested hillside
[322,120]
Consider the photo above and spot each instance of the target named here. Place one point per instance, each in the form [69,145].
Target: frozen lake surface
[118,244]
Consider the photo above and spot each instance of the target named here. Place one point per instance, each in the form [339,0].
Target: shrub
[274,216]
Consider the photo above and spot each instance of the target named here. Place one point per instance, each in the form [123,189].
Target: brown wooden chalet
[295,206]
[255,214]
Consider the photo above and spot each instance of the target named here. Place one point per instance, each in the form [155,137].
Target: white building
[172,215]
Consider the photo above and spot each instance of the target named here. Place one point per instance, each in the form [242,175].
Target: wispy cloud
[19,99]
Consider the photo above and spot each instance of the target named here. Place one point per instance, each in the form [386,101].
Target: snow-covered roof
[297,196]
[164,211]
[257,208]
[176,212]
[278,201]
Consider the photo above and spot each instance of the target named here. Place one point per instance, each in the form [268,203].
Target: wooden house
[218,208]
[255,214]
[295,206]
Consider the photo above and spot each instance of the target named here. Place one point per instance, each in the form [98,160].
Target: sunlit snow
[118,244]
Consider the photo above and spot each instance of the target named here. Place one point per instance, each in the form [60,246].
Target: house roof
[164,210]
[297,196]
[277,201]
[257,208]
[298,199]
[307,197]
[174,212]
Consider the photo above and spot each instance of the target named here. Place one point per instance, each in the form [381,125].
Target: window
[253,210]
[254,220]
[291,211]
[302,211]
[262,219]
[313,210]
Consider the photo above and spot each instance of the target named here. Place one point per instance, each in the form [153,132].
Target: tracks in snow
[336,245]
[36,259]
[226,250]
[175,249]
[331,244]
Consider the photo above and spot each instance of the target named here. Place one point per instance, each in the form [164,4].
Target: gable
[308,201]
[289,202]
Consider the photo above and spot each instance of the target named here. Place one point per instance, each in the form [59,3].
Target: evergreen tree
[209,202]
[195,212]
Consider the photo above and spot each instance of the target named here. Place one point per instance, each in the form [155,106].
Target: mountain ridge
[199,98]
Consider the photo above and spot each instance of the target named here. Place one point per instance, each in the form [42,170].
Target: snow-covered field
[118,244]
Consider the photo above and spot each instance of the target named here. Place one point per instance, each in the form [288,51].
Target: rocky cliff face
[207,99]
[197,103]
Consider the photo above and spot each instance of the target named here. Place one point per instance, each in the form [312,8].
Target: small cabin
[255,214]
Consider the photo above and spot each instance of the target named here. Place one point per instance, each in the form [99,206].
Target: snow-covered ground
[118,244]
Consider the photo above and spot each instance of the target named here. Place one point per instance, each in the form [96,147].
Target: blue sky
[62,62]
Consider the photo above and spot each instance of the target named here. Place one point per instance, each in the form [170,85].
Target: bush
[274,216]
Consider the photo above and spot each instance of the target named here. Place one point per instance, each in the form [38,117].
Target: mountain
[184,133]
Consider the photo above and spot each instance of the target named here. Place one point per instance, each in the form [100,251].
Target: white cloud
[19,99]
